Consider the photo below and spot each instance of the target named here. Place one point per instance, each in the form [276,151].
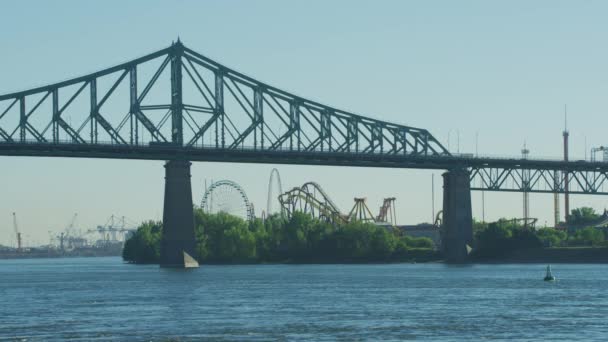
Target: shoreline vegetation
[225,239]
[508,241]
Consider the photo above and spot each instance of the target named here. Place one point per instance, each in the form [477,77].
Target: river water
[103,299]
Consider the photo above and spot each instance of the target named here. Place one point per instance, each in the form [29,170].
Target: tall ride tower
[526,180]
[566,197]
[556,199]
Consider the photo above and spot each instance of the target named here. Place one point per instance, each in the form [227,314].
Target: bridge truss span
[588,180]
[178,97]
[177,103]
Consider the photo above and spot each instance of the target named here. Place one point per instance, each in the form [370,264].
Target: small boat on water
[548,275]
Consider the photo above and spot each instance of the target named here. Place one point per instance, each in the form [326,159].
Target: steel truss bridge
[180,106]
[178,103]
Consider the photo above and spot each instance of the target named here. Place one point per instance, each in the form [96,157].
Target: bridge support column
[178,243]
[457,215]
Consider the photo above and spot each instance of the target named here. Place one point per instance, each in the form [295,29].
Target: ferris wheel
[228,197]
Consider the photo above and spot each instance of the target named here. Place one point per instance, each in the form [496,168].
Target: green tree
[583,215]
[420,242]
[222,238]
[202,250]
[551,237]
[383,243]
[494,240]
[295,236]
[479,226]
[504,236]
[226,236]
[587,237]
[143,247]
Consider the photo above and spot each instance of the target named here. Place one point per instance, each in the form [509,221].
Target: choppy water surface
[104,299]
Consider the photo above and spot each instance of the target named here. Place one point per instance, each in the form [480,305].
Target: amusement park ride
[310,198]
[229,197]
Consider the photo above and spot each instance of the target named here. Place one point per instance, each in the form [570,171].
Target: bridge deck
[491,174]
[288,156]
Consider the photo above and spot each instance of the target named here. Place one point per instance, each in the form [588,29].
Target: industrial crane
[70,238]
[70,227]
[17,233]
[112,228]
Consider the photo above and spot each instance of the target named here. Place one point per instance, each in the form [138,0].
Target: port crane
[115,229]
[70,238]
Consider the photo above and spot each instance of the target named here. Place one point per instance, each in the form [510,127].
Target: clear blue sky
[502,69]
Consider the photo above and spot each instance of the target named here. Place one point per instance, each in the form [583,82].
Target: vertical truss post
[258,117]
[376,136]
[351,134]
[93,113]
[219,107]
[177,134]
[356,126]
[380,138]
[22,118]
[55,115]
[404,141]
[134,105]
[294,124]
[325,129]
[396,139]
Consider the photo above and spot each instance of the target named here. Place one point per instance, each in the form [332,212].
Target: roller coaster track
[312,199]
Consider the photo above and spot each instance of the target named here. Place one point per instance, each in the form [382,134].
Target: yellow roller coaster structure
[310,198]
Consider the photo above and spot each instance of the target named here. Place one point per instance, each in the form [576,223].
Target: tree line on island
[223,238]
[499,238]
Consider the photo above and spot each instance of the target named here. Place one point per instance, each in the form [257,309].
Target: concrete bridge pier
[457,216]
[178,244]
